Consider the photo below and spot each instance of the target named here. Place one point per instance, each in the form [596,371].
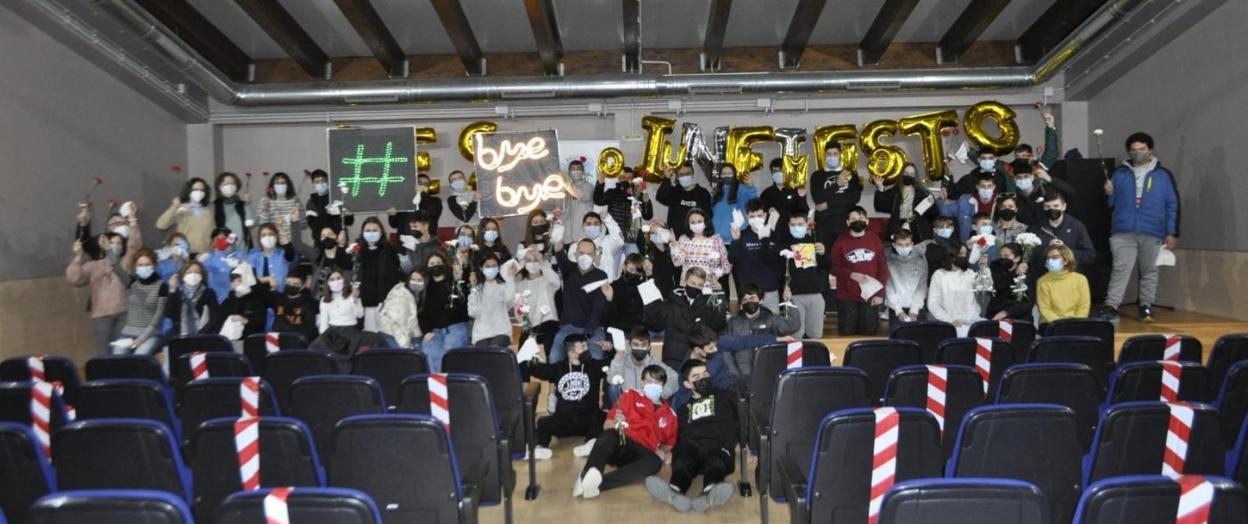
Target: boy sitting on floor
[704,444]
[576,383]
[638,437]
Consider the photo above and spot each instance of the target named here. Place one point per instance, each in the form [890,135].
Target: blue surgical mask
[654,392]
[904,251]
[182,247]
[1023,184]
[985,194]
[685,181]
[457,185]
[144,272]
[987,165]
[464,241]
[985,229]
[833,161]
[490,272]
[1054,264]
[658,238]
[944,232]
[778,177]
[490,235]
[797,231]
[593,231]
[322,188]
[372,236]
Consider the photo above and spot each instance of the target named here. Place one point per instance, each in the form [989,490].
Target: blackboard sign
[373,169]
[518,172]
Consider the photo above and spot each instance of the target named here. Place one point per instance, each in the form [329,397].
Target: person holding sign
[805,276]
[682,197]
[861,272]
[463,200]
[423,201]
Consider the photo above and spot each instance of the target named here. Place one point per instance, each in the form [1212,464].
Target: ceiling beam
[455,22]
[286,32]
[716,27]
[977,16]
[372,30]
[632,36]
[800,27]
[185,21]
[887,22]
[546,34]
[1047,31]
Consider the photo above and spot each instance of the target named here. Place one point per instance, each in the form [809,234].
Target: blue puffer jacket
[1157,214]
[721,214]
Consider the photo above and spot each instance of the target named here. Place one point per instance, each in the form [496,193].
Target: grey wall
[62,121]
[1192,97]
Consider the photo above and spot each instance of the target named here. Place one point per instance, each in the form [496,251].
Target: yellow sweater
[1063,294]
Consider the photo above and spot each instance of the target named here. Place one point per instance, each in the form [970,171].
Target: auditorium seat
[220,364]
[184,344]
[1131,440]
[965,352]
[15,405]
[878,358]
[281,369]
[144,367]
[1228,350]
[128,399]
[24,471]
[928,334]
[1082,327]
[1036,443]
[965,501]
[1136,381]
[1152,346]
[834,484]
[110,507]
[119,454]
[964,390]
[1154,499]
[760,388]
[389,367]
[1232,400]
[1089,351]
[55,369]
[255,347]
[303,506]
[216,397]
[321,401]
[1064,384]
[1019,334]
[288,457]
[1237,457]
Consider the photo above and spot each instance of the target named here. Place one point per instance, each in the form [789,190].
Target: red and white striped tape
[794,355]
[199,365]
[1005,330]
[275,511]
[272,342]
[247,445]
[1174,347]
[983,359]
[35,365]
[39,375]
[884,459]
[41,414]
[1195,500]
[1177,436]
[249,396]
[439,399]
[937,386]
[1171,373]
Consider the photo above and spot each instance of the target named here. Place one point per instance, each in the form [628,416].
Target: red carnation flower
[946,132]
[112,203]
[97,180]
[983,241]
[356,247]
[247,174]
[307,172]
[583,159]
[265,174]
[175,168]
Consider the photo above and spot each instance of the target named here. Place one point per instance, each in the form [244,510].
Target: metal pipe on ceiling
[229,92]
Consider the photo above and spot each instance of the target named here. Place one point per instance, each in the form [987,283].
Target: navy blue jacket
[1157,213]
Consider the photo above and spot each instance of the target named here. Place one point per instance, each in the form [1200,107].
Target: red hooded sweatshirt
[648,424]
[852,254]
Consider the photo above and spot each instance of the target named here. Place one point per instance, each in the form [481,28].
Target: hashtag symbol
[359,161]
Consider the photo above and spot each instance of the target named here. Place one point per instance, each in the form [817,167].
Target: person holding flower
[189,216]
[1012,297]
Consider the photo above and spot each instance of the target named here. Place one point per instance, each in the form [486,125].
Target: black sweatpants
[569,423]
[856,318]
[633,461]
[700,457]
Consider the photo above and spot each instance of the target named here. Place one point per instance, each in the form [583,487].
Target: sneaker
[701,503]
[1109,313]
[583,450]
[542,453]
[590,482]
[719,494]
[666,493]
[577,489]
[1146,314]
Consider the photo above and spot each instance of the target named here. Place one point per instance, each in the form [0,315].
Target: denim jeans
[558,354]
[443,340]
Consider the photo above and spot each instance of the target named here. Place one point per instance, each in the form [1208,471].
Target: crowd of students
[995,244]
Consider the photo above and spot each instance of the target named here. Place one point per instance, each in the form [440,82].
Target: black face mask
[415,232]
[1007,214]
[540,230]
[702,386]
[640,354]
[293,291]
[907,180]
[693,292]
[632,277]
[329,243]
[750,308]
[858,226]
[1054,214]
[961,262]
[437,271]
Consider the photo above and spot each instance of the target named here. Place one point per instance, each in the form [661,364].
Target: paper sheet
[593,286]
[1165,257]
[804,256]
[924,205]
[408,242]
[232,329]
[649,292]
[528,350]
[869,287]
[617,339]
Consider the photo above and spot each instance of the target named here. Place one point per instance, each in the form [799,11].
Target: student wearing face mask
[339,318]
[637,438]
[243,305]
[463,199]
[272,259]
[984,234]
[108,279]
[835,190]
[145,308]
[703,249]
[625,371]
[425,200]
[732,192]
[1005,303]
[173,256]
[753,256]
[906,203]
[680,192]
[754,325]
[682,310]
[584,311]
[658,257]
[193,308]
[378,268]
[322,212]
[604,232]
[327,252]
[538,231]
[965,207]
[704,347]
[419,242]
[536,286]
[400,313]
[951,297]
[941,244]
[579,198]
[704,444]
[1061,292]
[985,167]
[232,211]
[624,303]
[576,384]
[627,203]
[1030,183]
[805,277]
[857,256]
[906,291]
[190,216]
[1058,227]
[490,242]
[295,307]
[1008,225]
[490,302]
[280,205]
[221,261]
[785,201]
[444,319]
[464,248]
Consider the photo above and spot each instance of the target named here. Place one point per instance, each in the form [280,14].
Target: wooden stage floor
[633,504]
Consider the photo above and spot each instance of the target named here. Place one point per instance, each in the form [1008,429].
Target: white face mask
[757,222]
[242,291]
[268,241]
[279,189]
[584,262]
[987,165]
[533,267]
[192,279]
[336,285]
[698,228]
[124,231]
[228,190]
[197,196]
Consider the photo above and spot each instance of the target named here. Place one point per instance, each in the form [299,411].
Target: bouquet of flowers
[522,309]
[1030,242]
